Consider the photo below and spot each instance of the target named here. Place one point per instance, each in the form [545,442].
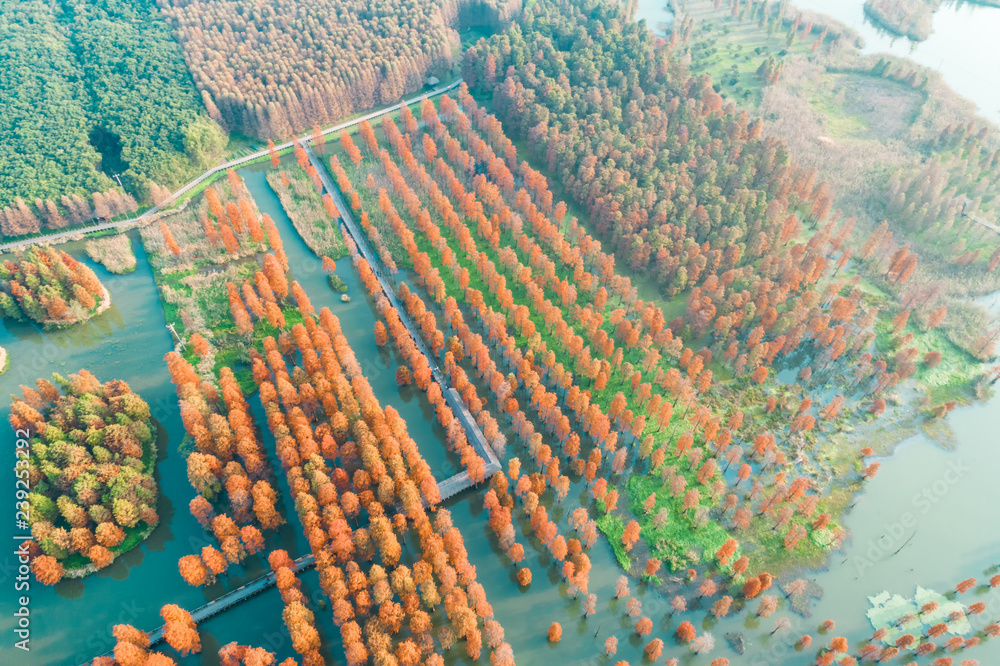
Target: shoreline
[53,324]
[882,21]
[87,569]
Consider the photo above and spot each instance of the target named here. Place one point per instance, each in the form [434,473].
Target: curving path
[48,238]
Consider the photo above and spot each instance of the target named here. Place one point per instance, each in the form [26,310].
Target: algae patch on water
[899,615]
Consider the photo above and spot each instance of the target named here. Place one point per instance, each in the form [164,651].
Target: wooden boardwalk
[230,599]
[460,481]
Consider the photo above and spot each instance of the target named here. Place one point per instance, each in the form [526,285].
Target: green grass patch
[613,528]
[839,122]
[952,379]
[678,543]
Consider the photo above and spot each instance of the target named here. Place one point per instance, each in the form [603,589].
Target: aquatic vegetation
[113,252]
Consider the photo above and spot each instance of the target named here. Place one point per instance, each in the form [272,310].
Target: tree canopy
[91,466]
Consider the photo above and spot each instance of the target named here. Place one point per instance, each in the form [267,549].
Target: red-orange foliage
[631,535]
[47,569]
[179,630]
[965,585]
[352,151]
[654,649]
[200,345]
[685,631]
[193,570]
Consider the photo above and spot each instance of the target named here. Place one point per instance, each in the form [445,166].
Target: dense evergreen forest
[268,70]
[44,126]
[93,88]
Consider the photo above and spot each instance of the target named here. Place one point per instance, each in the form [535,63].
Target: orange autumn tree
[47,569]
[130,646]
[199,344]
[352,151]
[193,570]
[631,535]
[654,649]
[168,239]
[179,630]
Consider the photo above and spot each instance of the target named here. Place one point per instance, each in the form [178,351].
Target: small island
[113,252]
[49,287]
[315,217]
[906,18]
[909,18]
[93,495]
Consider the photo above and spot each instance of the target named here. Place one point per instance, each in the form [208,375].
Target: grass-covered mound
[92,452]
[113,252]
[48,286]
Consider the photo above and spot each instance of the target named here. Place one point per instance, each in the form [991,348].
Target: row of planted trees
[490,280]
[763,444]
[331,439]
[546,530]
[366,467]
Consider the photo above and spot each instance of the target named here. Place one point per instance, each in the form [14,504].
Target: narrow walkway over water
[230,599]
[459,482]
